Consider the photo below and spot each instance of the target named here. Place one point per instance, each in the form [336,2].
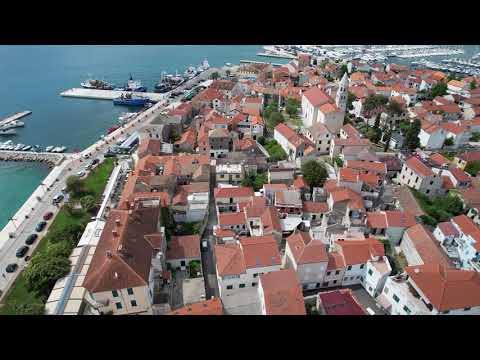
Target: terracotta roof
[149,146]
[223,233]
[335,261]
[360,251]
[468,227]
[328,108]
[188,137]
[376,167]
[300,182]
[229,259]
[317,97]
[447,183]
[355,201]
[419,167]
[231,218]
[282,293]
[351,131]
[260,251]
[470,156]
[315,207]
[471,196]
[232,192]
[305,250]
[292,137]
[448,229]
[207,307]
[183,247]
[447,289]
[439,159]
[460,175]
[426,245]
[275,187]
[270,220]
[123,254]
[454,128]
[340,302]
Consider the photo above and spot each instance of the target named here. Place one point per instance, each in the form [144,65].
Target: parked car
[88,167]
[11,268]
[58,198]
[94,162]
[40,226]
[27,258]
[47,216]
[22,251]
[81,173]
[31,239]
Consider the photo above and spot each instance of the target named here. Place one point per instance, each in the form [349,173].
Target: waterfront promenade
[24,221]
[107,94]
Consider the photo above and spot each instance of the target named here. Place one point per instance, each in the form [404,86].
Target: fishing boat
[49,148]
[133,85]
[18,147]
[26,148]
[61,149]
[130,100]
[96,84]
[8,132]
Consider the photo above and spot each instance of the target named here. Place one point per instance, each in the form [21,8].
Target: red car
[47,216]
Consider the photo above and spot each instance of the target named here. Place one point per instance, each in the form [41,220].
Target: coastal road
[71,166]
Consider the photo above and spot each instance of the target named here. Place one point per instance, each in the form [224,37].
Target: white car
[81,173]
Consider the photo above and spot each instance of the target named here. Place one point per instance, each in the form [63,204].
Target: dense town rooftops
[317,97]
[183,247]
[232,192]
[229,259]
[360,251]
[207,307]
[426,245]
[260,251]
[392,218]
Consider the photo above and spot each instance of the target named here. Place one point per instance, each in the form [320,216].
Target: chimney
[114,232]
[115,275]
[109,254]
[117,221]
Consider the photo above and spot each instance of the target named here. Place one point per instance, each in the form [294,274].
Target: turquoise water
[33,76]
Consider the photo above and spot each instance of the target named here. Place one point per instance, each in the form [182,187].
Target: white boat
[55,149]
[62,149]
[18,147]
[7,132]
[49,148]
[26,148]
[13,124]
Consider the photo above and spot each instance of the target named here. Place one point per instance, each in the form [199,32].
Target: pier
[108,94]
[14,117]
[259,62]
[273,55]
[51,159]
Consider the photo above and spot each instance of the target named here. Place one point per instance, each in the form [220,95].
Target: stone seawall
[51,159]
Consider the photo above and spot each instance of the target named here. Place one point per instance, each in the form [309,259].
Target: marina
[15,117]
[107,94]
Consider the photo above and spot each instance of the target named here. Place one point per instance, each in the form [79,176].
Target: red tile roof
[317,97]
[292,137]
[270,220]
[360,251]
[355,201]
[315,207]
[335,261]
[470,156]
[282,293]
[123,254]
[340,302]
[460,175]
[448,229]
[229,259]
[231,218]
[183,247]
[300,182]
[419,167]
[454,128]
[207,307]
[439,159]
[260,251]
[305,250]
[447,289]
[375,167]
[351,131]
[233,192]
[468,227]
[426,245]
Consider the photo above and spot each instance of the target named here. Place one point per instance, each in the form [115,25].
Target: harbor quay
[15,232]
[107,94]
[15,117]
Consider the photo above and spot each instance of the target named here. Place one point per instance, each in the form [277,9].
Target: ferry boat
[129,100]
[96,84]
[133,85]
[8,132]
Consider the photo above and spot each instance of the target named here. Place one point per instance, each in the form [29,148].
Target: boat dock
[273,55]
[14,117]
[259,62]
[107,94]
[52,159]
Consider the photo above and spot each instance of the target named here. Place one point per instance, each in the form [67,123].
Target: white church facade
[317,106]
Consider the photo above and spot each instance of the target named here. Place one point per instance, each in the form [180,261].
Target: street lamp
[12,220]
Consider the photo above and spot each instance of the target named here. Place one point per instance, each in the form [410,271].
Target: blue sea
[32,78]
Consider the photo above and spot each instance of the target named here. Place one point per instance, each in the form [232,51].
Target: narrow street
[208,259]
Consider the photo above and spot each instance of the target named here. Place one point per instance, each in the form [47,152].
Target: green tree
[29,309]
[195,268]
[292,106]
[215,75]
[167,221]
[75,186]
[314,173]
[261,140]
[411,136]
[394,108]
[473,167]
[255,180]
[275,119]
[350,99]
[88,203]
[448,142]
[342,70]
[475,136]
[338,160]
[473,84]
[374,134]
[272,107]
[42,273]
[439,89]
[71,233]
[374,101]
